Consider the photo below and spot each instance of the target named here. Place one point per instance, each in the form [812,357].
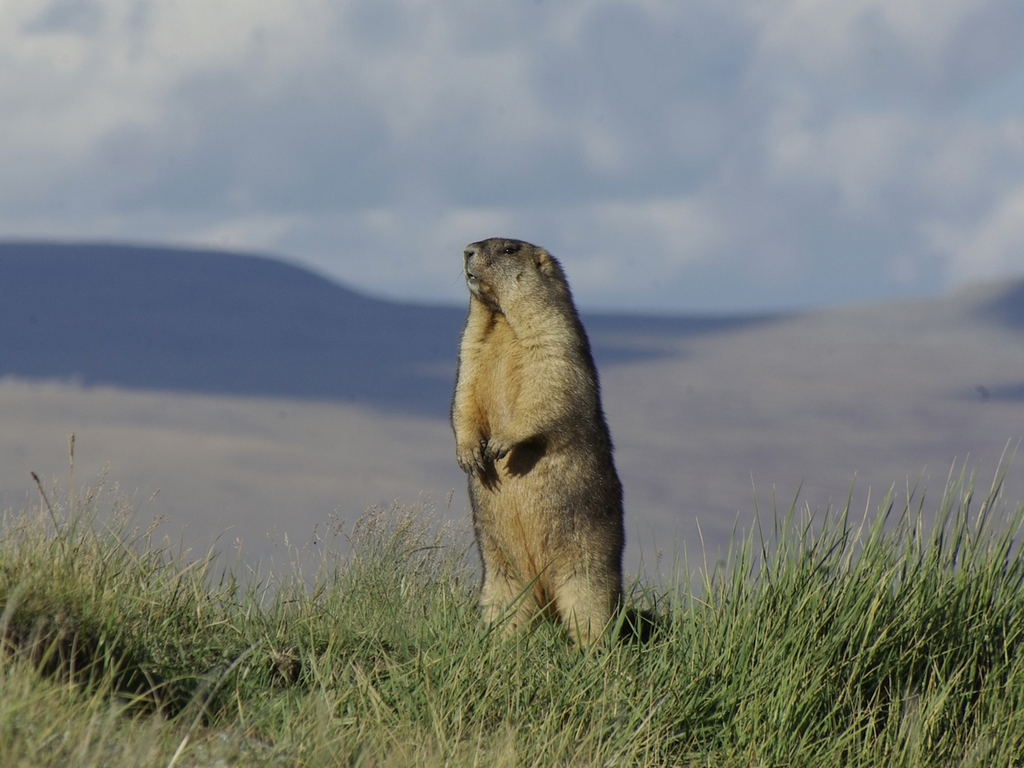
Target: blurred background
[796,231]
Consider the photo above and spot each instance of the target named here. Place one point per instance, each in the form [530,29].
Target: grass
[818,641]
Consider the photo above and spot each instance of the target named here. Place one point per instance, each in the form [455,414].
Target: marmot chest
[502,374]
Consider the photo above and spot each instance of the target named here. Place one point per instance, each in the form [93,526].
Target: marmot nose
[469,254]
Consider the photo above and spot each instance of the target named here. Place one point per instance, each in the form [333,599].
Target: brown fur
[530,433]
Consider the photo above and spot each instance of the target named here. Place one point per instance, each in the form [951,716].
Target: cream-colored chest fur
[499,377]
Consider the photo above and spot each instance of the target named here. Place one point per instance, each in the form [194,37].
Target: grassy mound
[822,641]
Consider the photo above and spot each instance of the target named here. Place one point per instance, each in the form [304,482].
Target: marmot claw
[473,460]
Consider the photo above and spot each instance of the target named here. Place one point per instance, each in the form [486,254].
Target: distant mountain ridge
[228,323]
[1009,308]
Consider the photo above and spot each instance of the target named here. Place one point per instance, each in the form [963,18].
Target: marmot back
[531,435]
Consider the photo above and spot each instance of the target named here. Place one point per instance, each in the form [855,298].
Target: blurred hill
[211,322]
[221,323]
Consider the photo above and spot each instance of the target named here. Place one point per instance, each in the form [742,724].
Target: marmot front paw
[471,457]
[495,450]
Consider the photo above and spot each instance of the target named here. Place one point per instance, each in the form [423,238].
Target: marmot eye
[510,249]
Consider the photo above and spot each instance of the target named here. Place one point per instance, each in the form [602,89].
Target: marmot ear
[543,260]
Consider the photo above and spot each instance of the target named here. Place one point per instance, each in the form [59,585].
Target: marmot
[531,434]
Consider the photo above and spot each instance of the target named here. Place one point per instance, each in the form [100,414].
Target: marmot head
[499,271]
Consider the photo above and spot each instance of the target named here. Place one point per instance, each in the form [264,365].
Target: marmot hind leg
[586,606]
[505,600]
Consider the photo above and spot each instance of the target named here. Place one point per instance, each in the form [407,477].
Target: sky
[678,156]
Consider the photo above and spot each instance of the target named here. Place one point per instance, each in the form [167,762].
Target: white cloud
[683,229]
[857,156]
[832,36]
[992,248]
[672,154]
[256,233]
